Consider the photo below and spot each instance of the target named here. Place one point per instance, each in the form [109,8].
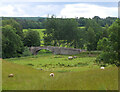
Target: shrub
[27,52]
[107,57]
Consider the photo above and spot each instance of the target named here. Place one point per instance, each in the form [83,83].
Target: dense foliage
[65,32]
[31,38]
[60,31]
[11,42]
[110,46]
[13,39]
[18,28]
[85,33]
[28,22]
[26,52]
[38,22]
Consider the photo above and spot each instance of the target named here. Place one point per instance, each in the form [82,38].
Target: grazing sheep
[70,57]
[102,68]
[10,75]
[52,74]
[75,57]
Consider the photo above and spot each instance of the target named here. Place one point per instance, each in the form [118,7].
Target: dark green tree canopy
[58,29]
[11,42]
[18,28]
[110,45]
[32,38]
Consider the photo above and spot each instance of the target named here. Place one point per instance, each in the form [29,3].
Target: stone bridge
[56,50]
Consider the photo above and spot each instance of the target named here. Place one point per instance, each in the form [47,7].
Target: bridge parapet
[56,50]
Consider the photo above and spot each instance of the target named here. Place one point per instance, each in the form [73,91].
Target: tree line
[38,22]
[84,33]
[15,41]
[66,32]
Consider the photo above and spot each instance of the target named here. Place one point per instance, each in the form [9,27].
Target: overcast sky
[60,9]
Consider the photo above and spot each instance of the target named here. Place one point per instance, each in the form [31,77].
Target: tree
[105,31]
[103,43]
[26,52]
[96,18]
[12,45]
[110,45]
[60,31]
[82,21]
[97,31]
[80,38]
[91,38]
[32,38]
[18,28]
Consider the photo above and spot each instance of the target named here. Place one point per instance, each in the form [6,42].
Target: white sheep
[102,68]
[70,57]
[11,75]
[52,74]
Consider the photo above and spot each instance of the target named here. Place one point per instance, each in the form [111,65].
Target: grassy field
[81,73]
[81,27]
[59,63]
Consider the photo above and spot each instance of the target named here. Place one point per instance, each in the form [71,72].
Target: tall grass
[27,78]
[81,73]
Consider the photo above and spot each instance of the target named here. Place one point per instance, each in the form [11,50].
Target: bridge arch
[35,50]
[46,51]
[56,50]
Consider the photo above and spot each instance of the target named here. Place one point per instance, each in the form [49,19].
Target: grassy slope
[28,78]
[50,62]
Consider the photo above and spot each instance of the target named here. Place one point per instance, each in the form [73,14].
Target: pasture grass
[51,62]
[28,78]
[81,73]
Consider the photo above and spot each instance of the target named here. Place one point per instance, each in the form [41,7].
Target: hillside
[27,78]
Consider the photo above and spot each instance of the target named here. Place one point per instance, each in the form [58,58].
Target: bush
[32,38]
[27,52]
[107,57]
[110,45]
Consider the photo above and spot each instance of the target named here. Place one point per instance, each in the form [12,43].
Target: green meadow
[81,73]
[94,40]
[81,27]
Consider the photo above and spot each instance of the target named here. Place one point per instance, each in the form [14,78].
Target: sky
[68,9]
